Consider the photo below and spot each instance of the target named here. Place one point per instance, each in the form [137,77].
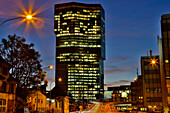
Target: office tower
[164,51]
[80,49]
[151,82]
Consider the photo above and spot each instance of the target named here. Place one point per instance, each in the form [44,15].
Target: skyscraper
[80,49]
[164,51]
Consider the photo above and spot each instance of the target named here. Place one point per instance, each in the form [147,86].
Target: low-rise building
[137,94]
[37,101]
[7,88]
[121,93]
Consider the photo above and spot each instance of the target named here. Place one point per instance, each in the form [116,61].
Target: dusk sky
[132,27]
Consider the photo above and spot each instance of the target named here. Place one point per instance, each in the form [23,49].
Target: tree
[24,59]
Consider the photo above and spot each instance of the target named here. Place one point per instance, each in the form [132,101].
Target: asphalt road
[94,109]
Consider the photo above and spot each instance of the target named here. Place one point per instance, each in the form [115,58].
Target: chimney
[151,53]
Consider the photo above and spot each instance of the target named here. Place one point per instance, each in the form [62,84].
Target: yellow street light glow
[29,17]
[153,61]
[51,67]
[60,79]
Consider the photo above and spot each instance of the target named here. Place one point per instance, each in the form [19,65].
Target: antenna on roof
[137,71]
[158,38]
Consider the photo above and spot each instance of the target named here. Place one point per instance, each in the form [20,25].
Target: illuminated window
[166,61]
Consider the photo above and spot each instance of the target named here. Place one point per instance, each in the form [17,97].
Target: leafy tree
[24,59]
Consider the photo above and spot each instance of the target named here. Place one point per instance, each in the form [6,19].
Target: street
[100,108]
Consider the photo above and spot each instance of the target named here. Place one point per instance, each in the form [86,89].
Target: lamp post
[59,80]
[48,67]
[50,96]
[28,17]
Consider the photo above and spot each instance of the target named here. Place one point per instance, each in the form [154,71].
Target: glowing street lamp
[135,79]
[48,67]
[60,79]
[50,95]
[27,17]
[153,62]
[51,67]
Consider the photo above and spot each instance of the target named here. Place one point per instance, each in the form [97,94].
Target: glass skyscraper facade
[80,49]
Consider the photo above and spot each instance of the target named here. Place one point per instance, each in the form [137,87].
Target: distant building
[37,101]
[164,51]
[7,88]
[80,50]
[121,93]
[137,93]
[152,91]
[57,103]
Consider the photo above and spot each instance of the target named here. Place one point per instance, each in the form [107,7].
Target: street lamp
[49,67]
[50,96]
[27,17]
[60,79]
[135,79]
[153,62]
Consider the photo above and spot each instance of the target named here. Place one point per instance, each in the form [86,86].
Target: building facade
[80,49]
[164,51]
[137,93]
[121,93]
[151,78]
[36,100]
[7,88]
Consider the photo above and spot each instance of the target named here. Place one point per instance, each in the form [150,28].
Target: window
[154,99]
[38,100]
[5,71]
[2,105]
[3,87]
[11,88]
[166,61]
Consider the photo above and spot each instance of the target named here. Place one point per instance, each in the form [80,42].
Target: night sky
[132,27]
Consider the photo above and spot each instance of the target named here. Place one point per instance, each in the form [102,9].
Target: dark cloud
[112,71]
[110,66]
[117,83]
[118,59]
[1,13]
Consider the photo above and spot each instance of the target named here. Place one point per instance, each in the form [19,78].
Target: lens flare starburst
[31,16]
[154,62]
